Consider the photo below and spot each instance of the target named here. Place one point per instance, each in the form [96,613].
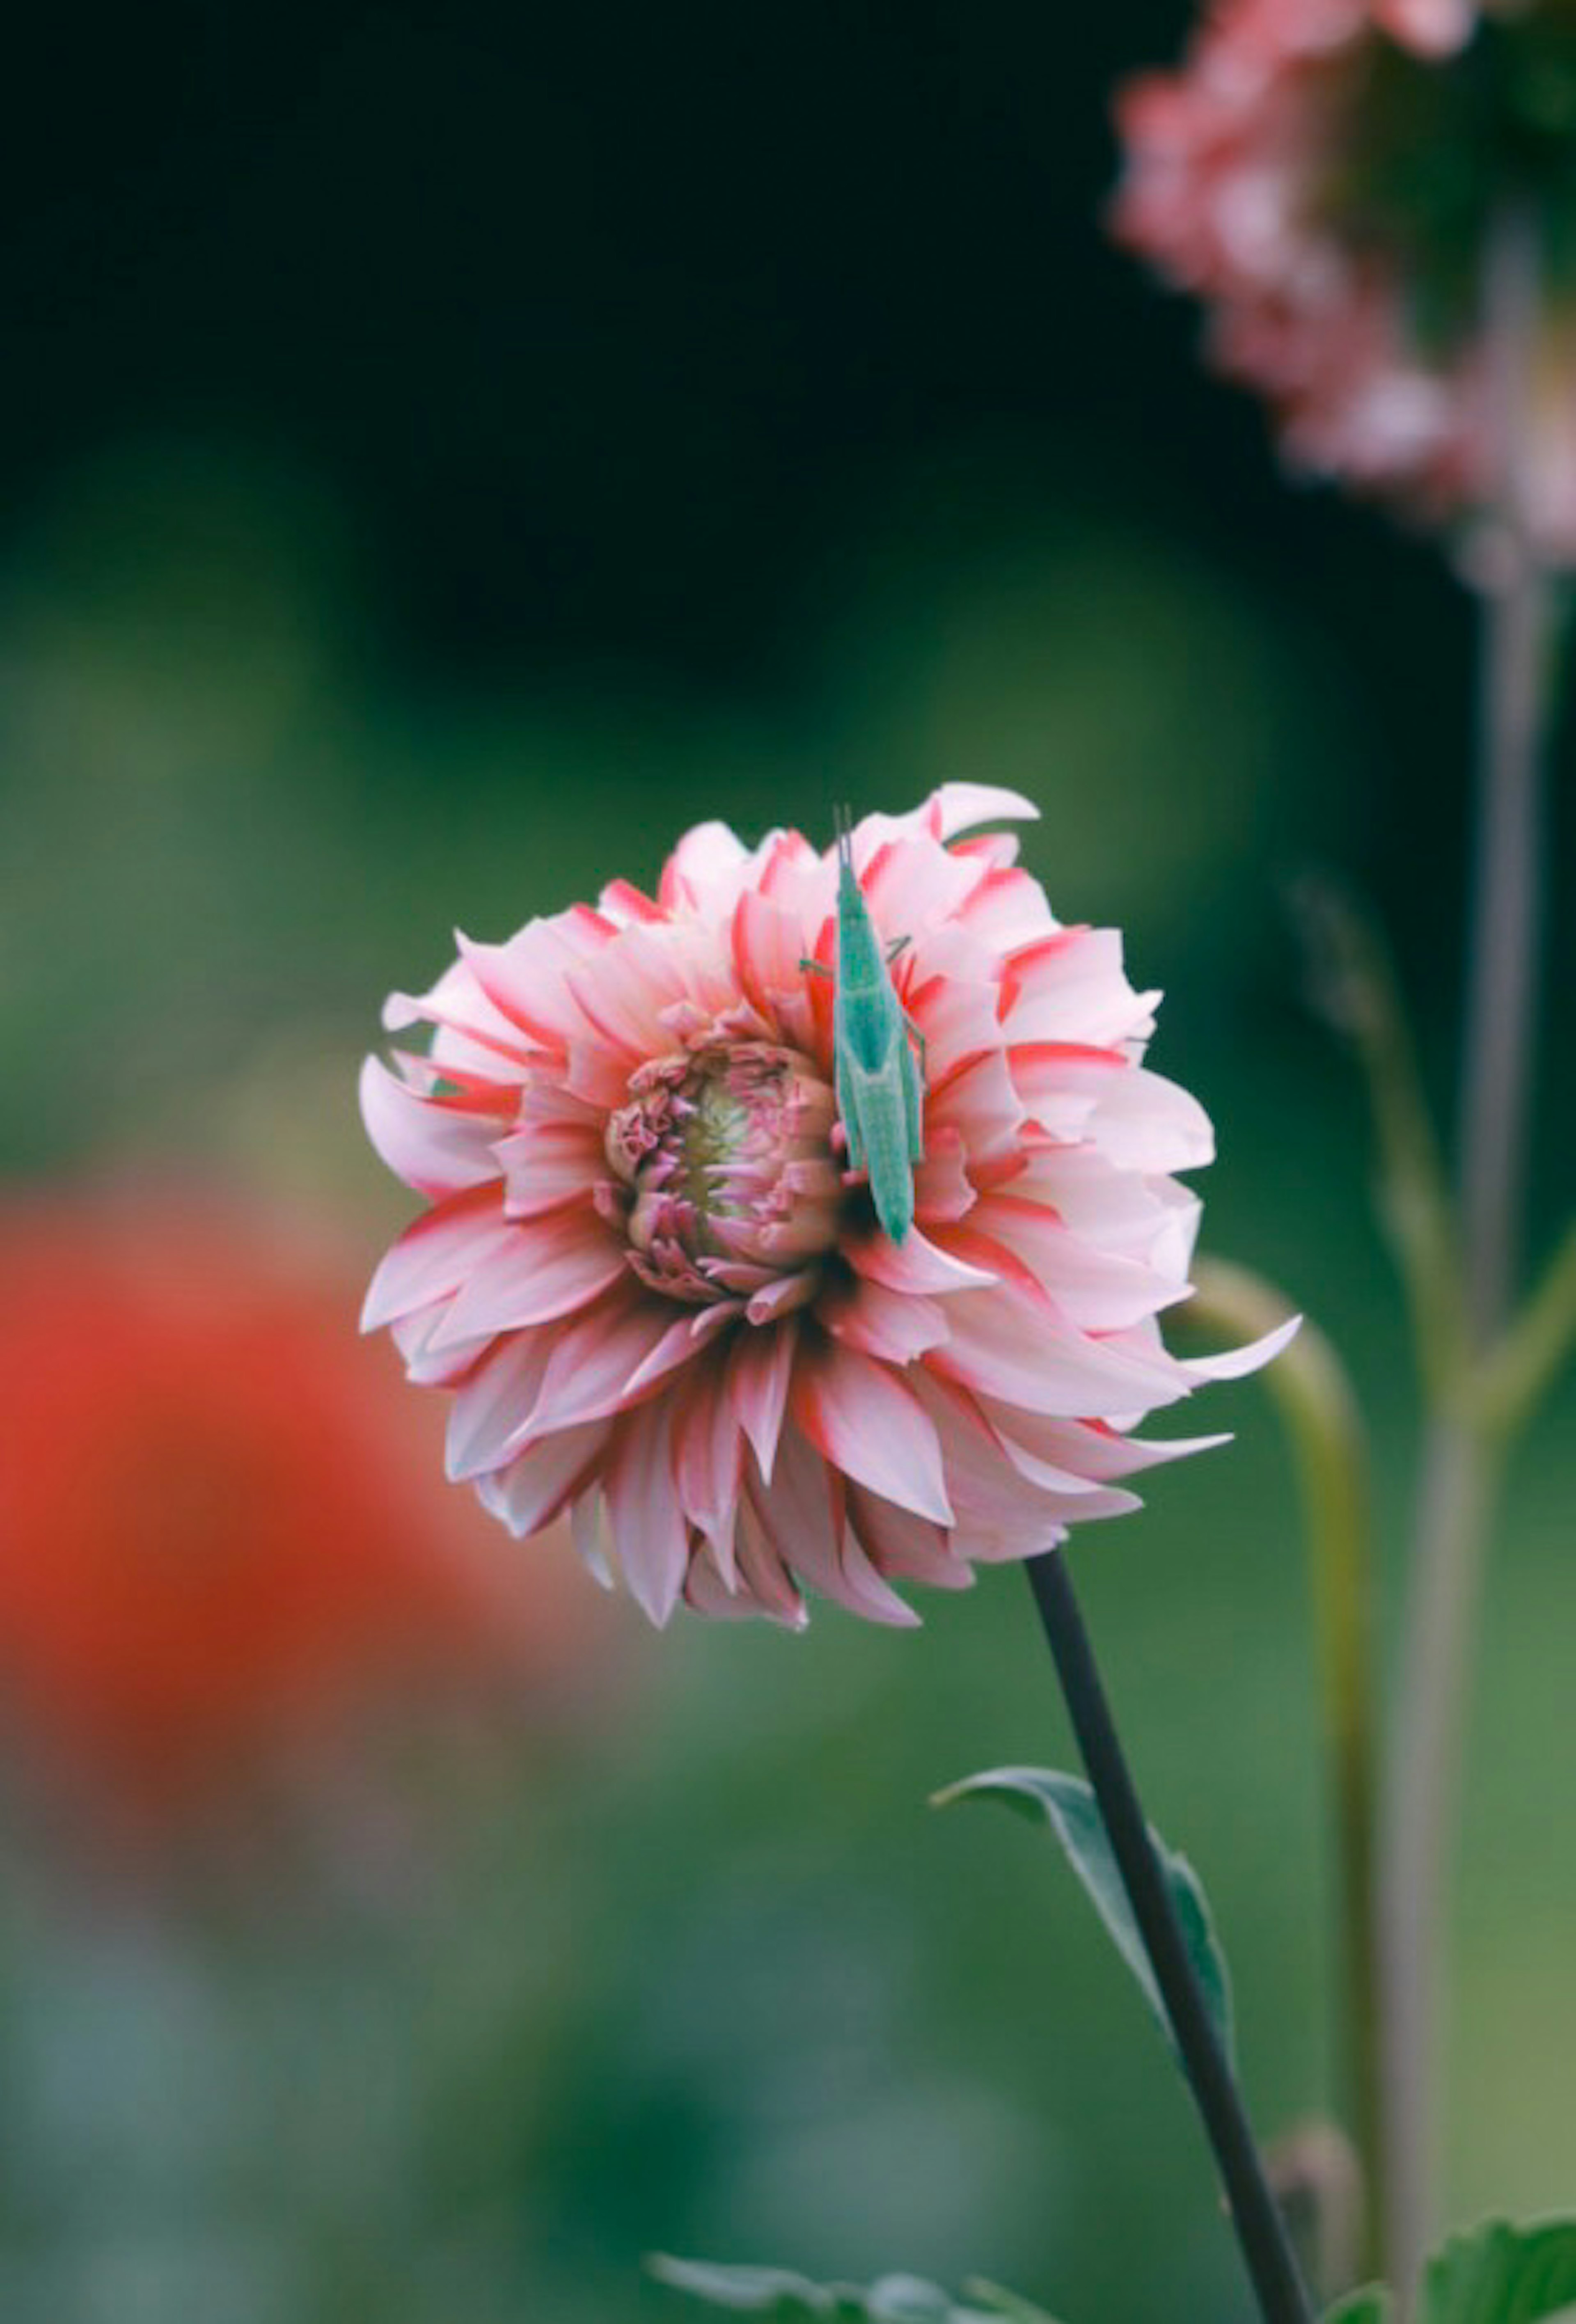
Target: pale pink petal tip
[1236,1364]
[962,807]
[663,1305]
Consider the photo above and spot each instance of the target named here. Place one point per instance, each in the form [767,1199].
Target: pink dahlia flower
[1326,175]
[661,1302]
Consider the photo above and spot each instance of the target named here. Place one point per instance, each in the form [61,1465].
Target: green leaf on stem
[1496,2274]
[1533,1349]
[1371,2305]
[1068,1806]
[1501,2274]
[787,2298]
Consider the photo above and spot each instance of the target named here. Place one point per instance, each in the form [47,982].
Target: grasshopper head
[842,830]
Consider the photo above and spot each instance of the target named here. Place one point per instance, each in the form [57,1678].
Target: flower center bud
[727,1178]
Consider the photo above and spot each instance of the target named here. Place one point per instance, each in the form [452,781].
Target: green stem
[1459,1470]
[1454,1499]
[1355,985]
[1329,1444]
[1255,2215]
[1533,1349]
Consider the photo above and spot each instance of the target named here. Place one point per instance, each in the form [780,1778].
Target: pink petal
[893,1326]
[681,1344]
[802,1512]
[791,872]
[784,1294]
[1061,1083]
[897,1542]
[979,1101]
[1237,1362]
[1098,1289]
[1071,987]
[1015,1431]
[494,1404]
[868,1593]
[759,1372]
[596,1077]
[718,1594]
[990,846]
[650,1536]
[1142,1122]
[1000,1513]
[526,980]
[863,1417]
[768,946]
[413,1335]
[953,808]
[1006,909]
[537,1488]
[622,902]
[586,1533]
[596,1356]
[550,1267]
[624,989]
[917,1264]
[1002,1345]
[956,1015]
[1137,1215]
[443,1248]
[703,869]
[1090,1449]
[547,1102]
[762,1573]
[458,1004]
[911,885]
[1073,1499]
[942,1192]
[546,1166]
[433,1148]
[709,1464]
[449,1088]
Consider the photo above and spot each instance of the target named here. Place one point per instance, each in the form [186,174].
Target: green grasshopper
[879,1081]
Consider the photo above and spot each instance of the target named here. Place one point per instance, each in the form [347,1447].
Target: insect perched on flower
[876,1081]
[662,1305]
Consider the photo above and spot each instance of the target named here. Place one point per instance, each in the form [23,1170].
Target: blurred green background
[442,455]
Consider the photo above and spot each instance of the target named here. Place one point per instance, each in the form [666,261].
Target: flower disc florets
[728,1184]
[1329,175]
[663,1304]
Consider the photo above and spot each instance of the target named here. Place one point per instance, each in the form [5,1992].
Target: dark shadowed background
[442,455]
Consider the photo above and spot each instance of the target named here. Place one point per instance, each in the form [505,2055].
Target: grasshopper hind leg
[849,1117]
[914,1087]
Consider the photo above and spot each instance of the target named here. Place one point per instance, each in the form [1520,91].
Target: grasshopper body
[878,1078]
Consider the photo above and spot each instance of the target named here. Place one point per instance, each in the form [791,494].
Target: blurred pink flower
[1325,174]
[659,1302]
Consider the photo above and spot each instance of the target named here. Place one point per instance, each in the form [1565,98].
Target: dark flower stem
[1282,2298]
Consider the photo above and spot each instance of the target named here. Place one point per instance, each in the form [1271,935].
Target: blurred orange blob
[223,1539]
